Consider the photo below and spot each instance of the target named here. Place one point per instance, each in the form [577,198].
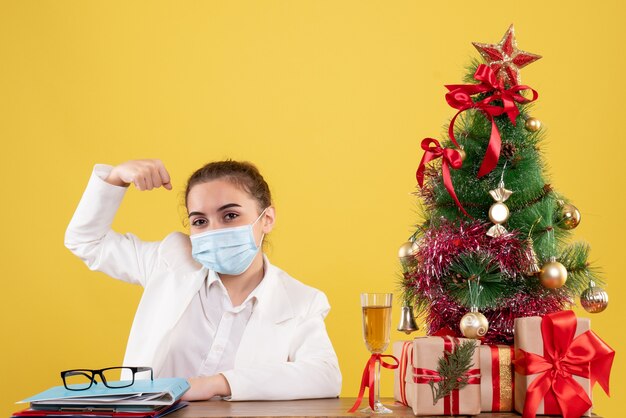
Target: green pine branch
[579,270]
[475,280]
[453,368]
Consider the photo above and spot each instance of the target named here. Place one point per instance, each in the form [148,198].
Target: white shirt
[206,338]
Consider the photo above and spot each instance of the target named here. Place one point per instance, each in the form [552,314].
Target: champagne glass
[376,326]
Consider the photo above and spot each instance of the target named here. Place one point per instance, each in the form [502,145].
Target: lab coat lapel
[264,327]
[180,294]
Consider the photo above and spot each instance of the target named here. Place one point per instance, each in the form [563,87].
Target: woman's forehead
[211,195]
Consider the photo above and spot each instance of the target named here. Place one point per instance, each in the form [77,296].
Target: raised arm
[89,235]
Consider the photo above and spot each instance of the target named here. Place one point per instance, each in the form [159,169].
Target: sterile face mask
[226,250]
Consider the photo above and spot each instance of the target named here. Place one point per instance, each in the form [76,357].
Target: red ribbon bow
[460,97]
[367,381]
[564,356]
[450,158]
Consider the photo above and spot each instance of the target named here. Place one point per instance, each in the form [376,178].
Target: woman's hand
[206,387]
[144,174]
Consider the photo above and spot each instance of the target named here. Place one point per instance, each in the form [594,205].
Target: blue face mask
[226,250]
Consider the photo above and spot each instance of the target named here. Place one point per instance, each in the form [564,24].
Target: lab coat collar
[273,301]
[213,279]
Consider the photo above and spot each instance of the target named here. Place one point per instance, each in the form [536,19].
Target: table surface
[335,407]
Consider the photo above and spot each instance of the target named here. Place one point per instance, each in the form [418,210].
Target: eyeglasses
[83,379]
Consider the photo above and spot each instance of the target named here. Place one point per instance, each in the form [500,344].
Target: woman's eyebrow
[227,206]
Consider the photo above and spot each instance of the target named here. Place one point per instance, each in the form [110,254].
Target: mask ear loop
[257,219]
[262,233]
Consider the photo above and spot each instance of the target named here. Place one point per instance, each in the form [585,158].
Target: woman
[214,309]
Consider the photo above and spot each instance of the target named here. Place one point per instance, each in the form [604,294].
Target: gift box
[496,377]
[418,368]
[557,361]
[403,351]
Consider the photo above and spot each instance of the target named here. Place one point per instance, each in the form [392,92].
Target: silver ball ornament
[594,299]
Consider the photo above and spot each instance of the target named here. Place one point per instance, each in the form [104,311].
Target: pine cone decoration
[508,150]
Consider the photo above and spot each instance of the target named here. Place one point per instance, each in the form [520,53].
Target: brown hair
[242,174]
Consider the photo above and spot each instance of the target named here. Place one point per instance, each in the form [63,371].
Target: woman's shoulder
[175,252]
[302,296]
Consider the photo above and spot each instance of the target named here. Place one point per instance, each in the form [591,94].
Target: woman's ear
[268,219]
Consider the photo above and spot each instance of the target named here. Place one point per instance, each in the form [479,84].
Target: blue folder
[142,393]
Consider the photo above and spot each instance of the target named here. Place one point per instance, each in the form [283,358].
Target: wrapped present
[557,361]
[403,351]
[419,384]
[496,378]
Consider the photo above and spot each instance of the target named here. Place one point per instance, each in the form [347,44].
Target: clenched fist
[144,174]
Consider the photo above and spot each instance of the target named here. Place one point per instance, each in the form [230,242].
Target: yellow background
[329,98]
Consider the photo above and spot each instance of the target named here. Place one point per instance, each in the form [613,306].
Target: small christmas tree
[493,244]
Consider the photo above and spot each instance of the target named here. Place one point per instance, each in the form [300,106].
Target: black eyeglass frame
[91,374]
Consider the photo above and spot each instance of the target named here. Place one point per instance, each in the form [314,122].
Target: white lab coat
[285,352]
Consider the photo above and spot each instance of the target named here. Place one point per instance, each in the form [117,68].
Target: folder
[90,413]
[142,395]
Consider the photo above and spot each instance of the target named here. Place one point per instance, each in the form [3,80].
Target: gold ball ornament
[594,299]
[462,153]
[498,213]
[407,251]
[532,124]
[474,325]
[570,216]
[553,274]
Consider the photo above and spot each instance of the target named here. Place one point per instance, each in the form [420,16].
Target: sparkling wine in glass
[376,326]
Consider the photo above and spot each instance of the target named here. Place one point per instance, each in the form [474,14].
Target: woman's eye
[231,216]
[199,222]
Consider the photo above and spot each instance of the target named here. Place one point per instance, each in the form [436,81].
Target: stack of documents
[145,398]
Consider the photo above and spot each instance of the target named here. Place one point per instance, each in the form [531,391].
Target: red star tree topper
[505,58]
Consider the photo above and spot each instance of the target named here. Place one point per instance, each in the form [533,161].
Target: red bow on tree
[564,356]
[460,97]
[450,158]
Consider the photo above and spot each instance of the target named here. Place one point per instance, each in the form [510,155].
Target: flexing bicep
[90,237]
[121,256]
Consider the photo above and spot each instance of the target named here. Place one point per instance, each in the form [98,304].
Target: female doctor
[214,309]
